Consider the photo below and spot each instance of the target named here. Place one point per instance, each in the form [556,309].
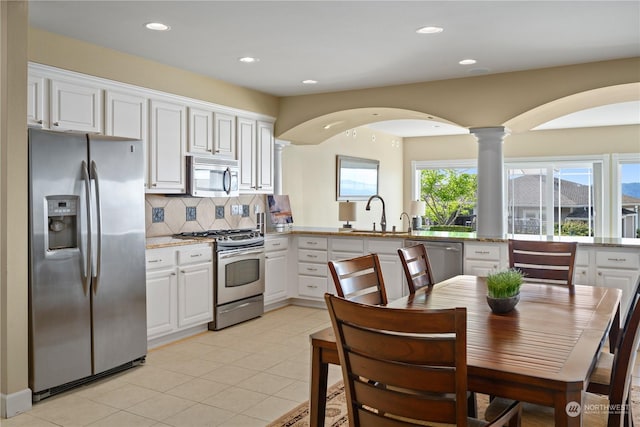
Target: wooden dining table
[541,352]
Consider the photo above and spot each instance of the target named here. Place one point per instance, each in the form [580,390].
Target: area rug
[336,413]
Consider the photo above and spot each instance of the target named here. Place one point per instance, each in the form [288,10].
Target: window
[551,199]
[449,190]
[626,195]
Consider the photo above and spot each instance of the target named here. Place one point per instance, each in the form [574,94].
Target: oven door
[240,274]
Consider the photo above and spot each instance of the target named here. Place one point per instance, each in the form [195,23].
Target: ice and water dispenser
[62,212]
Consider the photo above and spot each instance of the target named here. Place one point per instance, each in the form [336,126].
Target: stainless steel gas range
[238,275]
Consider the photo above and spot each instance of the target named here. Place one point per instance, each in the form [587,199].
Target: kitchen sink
[382,233]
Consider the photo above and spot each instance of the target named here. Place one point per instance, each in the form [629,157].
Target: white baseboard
[15,403]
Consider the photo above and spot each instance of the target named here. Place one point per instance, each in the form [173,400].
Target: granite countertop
[459,236]
[167,241]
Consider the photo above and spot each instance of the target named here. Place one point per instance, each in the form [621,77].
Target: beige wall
[13,202]
[75,55]
[309,178]
[480,101]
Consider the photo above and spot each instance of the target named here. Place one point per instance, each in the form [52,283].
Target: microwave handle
[226,181]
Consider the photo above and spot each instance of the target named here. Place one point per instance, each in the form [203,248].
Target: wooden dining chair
[547,262]
[612,407]
[359,279]
[417,269]
[404,367]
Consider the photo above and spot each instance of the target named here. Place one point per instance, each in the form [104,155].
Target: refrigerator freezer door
[119,289]
[59,298]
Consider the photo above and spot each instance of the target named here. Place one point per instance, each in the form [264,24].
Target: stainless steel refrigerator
[87,295]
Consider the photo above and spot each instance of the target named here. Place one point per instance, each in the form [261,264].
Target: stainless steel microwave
[211,177]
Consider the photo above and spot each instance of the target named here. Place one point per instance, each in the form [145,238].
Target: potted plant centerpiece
[503,290]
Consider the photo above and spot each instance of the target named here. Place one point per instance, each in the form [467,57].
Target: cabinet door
[620,279]
[36,97]
[247,153]
[167,143]
[195,294]
[161,302]
[200,131]
[264,161]
[75,106]
[275,276]
[393,276]
[480,268]
[127,116]
[224,142]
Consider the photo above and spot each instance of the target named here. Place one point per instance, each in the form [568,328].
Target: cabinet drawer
[617,259]
[582,257]
[488,252]
[312,242]
[312,269]
[194,255]
[347,245]
[384,246]
[160,258]
[279,244]
[312,286]
[312,256]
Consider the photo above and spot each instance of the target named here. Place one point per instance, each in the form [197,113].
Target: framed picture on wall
[356,178]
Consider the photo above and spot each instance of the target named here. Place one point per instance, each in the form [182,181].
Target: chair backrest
[359,279]
[417,269]
[623,363]
[548,262]
[401,367]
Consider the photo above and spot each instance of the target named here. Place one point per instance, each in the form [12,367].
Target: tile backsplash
[166,215]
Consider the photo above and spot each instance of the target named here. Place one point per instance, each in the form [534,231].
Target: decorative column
[277,165]
[490,205]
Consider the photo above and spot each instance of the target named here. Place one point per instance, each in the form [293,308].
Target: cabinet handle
[275,244]
[182,271]
[312,286]
[56,123]
[617,259]
[209,150]
[217,151]
[155,260]
[195,255]
[482,252]
[173,274]
[154,184]
[312,243]
[39,122]
[312,256]
[312,269]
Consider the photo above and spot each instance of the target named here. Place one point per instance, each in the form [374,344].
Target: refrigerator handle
[86,265]
[94,172]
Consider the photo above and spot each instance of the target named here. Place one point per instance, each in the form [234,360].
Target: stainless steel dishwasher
[445,258]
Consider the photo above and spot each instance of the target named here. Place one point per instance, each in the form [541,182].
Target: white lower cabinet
[392,273]
[482,258]
[276,266]
[312,266]
[179,289]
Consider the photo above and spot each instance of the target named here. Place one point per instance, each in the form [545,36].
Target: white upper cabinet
[247,153]
[265,147]
[168,135]
[200,131]
[75,106]
[255,152]
[126,115]
[224,141]
[36,98]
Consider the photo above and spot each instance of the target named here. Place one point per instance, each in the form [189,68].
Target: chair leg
[472,405]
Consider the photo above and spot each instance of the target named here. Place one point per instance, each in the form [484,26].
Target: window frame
[617,160]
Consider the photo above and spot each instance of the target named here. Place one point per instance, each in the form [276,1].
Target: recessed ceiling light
[467,62]
[309,82]
[157,26]
[429,30]
[248,59]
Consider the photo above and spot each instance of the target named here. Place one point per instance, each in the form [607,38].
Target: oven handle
[240,252]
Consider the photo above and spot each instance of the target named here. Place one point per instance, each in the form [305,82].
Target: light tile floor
[246,375]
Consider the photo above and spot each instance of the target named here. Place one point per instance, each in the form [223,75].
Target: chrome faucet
[383,220]
[408,219]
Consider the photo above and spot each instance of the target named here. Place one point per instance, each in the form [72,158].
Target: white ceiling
[350,44]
